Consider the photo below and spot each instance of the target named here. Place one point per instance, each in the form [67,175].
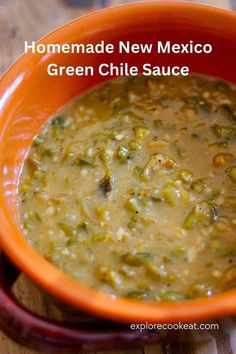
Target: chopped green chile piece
[217,130]
[72,241]
[134,145]
[178,250]
[191,221]
[185,176]
[39,140]
[198,186]
[158,161]
[136,258]
[154,271]
[106,184]
[133,204]
[99,237]
[141,133]
[27,225]
[123,154]
[109,276]
[68,230]
[204,212]
[231,173]
[83,226]
[172,296]
[37,216]
[58,122]
[102,213]
[156,195]
[130,188]
[171,195]
[86,160]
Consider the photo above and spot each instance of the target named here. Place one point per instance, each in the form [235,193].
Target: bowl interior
[29,96]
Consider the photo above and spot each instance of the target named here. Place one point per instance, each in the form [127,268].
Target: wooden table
[22,20]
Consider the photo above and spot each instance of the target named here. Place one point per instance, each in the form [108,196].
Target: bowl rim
[56,283]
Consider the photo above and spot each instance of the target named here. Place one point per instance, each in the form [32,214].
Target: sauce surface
[131,189]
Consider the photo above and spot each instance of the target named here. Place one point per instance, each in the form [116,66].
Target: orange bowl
[29,96]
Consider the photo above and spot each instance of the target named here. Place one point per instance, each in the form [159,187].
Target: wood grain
[22,20]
